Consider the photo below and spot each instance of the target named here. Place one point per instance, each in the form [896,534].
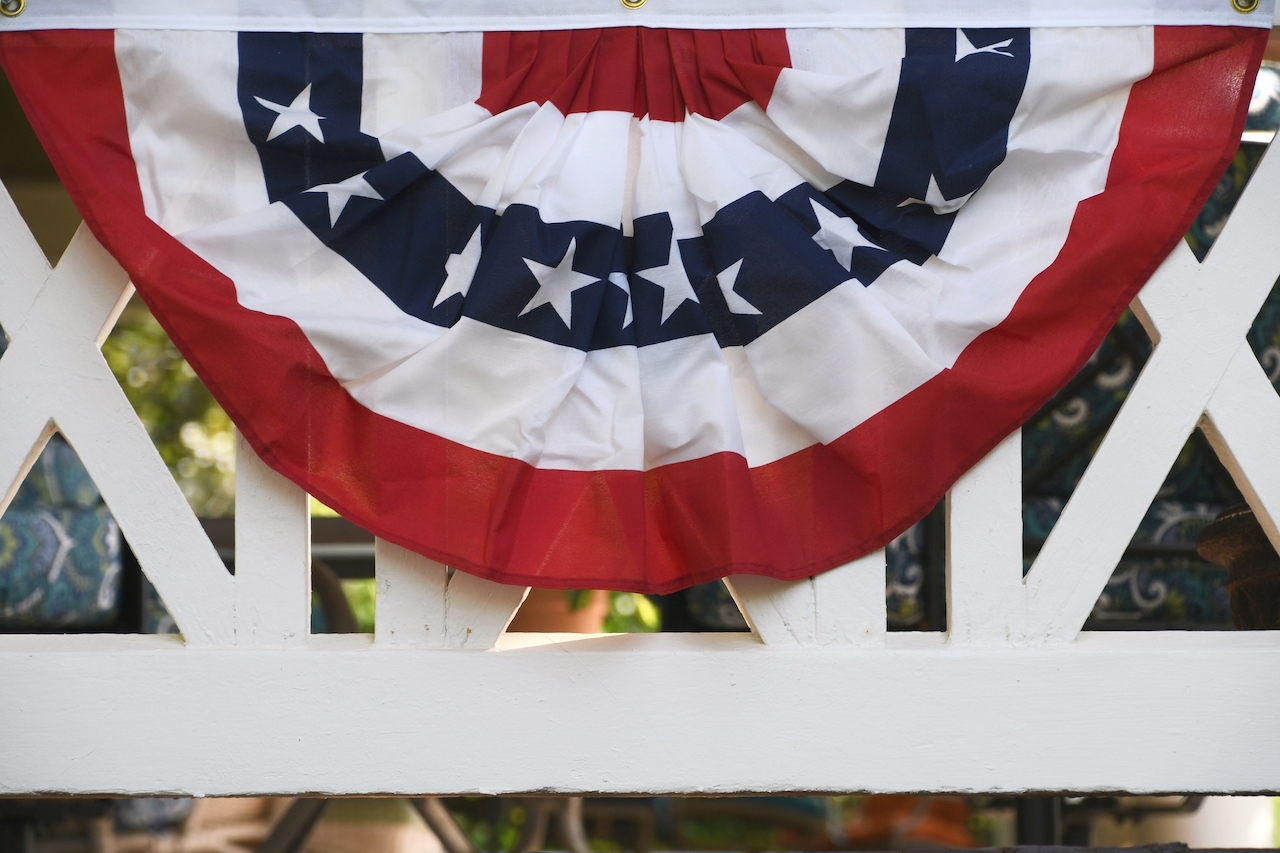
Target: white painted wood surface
[420,604]
[986,597]
[273,555]
[842,607]
[818,698]
[634,713]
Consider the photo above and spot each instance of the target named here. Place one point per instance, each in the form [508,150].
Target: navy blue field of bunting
[300,96]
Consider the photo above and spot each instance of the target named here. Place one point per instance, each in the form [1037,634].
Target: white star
[620,279]
[964,47]
[557,284]
[341,193]
[727,278]
[459,270]
[297,114]
[673,280]
[839,235]
[934,198]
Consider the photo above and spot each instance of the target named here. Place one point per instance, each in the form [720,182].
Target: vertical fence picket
[842,607]
[986,599]
[420,604]
[409,608]
[273,555]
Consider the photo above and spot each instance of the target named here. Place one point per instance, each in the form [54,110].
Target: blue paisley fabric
[59,549]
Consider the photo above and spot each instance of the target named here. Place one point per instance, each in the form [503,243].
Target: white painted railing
[818,698]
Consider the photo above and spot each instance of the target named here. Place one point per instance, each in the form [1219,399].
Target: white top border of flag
[390,16]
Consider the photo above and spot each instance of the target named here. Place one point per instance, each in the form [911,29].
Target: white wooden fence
[1015,697]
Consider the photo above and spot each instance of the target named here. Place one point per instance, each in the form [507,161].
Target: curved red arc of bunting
[679,524]
[647,72]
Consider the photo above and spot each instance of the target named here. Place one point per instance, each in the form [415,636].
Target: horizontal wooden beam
[623,714]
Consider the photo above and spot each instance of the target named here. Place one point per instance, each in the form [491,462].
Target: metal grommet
[636,4]
[1244,7]
[14,8]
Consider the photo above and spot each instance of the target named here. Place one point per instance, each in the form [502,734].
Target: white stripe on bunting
[695,399]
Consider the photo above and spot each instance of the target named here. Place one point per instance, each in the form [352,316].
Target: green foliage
[360,595]
[488,831]
[631,613]
[994,827]
[384,811]
[708,832]
[191,431]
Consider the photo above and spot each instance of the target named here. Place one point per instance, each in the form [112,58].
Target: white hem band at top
[391,16]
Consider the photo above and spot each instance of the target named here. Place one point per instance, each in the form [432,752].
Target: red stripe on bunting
[653,72]
[683,523]
[75,103]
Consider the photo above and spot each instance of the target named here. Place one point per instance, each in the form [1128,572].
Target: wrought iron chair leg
[439,821]
[1039,820]
[290,833]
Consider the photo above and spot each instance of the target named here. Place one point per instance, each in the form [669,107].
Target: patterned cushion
[1160,579]
[59,568]
[58,479]
[59,549]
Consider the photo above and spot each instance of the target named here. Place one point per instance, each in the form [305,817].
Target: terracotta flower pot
[548,611]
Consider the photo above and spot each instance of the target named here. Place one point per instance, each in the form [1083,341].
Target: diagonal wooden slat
[1200,313]
[23,267]
[477,611]
[1242,423]
[172,548]
[78,300]
[408,598]
[420,605]
[842,607]
[23,436]
[54,372]
[781,613]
